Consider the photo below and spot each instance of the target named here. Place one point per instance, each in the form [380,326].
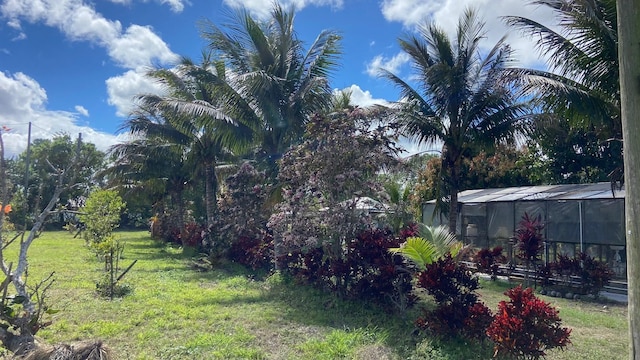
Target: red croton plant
[525,327]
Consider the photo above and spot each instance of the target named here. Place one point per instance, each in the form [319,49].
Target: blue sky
[73,66]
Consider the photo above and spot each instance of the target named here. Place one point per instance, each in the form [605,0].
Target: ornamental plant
[592,275]
[240,228]
[101,215]
[330,189]
[530,241]
[459,311]
[252,252]
[526,327]
[368,271]
[489,260]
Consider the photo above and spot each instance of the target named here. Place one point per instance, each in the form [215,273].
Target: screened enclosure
[577,218]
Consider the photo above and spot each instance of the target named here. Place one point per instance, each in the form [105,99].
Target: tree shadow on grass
[304,313]
[313,307]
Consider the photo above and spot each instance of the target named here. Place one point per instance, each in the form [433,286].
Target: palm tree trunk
[211,189]
[629,55]
[453,165]
[453,211]
[179,216]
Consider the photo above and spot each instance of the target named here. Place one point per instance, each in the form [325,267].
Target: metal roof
[543,192]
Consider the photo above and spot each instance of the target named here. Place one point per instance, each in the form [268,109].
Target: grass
[175,312]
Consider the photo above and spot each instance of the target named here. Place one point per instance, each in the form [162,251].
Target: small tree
[101,215]
[326,181]
[26,323]
[241,224]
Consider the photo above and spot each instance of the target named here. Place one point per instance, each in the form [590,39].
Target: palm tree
[271,84]
[462,98]
[582,83]
[151,162]
[206,142]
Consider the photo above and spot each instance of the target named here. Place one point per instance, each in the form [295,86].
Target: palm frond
[418,250]
[443,240]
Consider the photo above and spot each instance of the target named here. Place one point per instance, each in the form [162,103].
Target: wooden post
[629,58]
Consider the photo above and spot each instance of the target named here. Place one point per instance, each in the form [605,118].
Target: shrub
[412,229]
[489,260]
[241,221]
[594,274]
[377,273]
[193,235]
[591,274]
[448,281]
[530,241]
[478,320]
[365,271]
[252,252]
[453,287]
[525,327]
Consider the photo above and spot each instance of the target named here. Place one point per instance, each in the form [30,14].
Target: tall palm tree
[582,82]
[271,84]
[462,97]
[151,162]
[206,142]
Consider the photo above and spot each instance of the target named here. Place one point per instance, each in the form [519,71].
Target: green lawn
[175,312]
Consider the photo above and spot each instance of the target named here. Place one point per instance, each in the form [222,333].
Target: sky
[75,66]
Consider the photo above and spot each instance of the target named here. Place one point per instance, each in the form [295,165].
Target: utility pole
[26,178]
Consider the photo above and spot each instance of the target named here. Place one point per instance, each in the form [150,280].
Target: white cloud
[391,64]
[445,13]
[176,6]
[410,12]
[23,100]
[135,48]
[140,47]
[122,90]
[82,110]
[79,21]
[362,98]
[261,8]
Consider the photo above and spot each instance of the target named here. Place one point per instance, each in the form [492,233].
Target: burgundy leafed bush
[193,235]
[591,274]
[530,238]
[367,270]
[252,252]
[525,327]
[489,260]
[459,313]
